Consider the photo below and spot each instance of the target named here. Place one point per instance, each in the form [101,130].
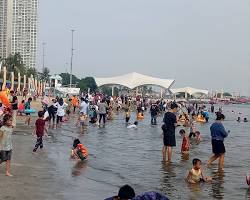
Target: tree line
[14,63]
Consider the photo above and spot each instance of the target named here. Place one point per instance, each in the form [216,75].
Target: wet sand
[41,176]
[33,175]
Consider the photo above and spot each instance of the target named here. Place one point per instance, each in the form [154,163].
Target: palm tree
[32,71]
[14,63]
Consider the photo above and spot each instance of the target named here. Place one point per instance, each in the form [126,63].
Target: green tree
[44,75]
[66,79]
[32,71]
[14,63]
[88,82]
[106,90]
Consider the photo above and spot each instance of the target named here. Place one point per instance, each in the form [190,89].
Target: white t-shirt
[60,109]
[84,108]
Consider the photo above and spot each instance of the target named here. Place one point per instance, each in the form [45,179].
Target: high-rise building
[18,29]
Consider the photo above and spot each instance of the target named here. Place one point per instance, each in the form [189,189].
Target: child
[245,119]
[39,131]
[6,142]
[93,115]
[27,107]
[81,120]
[79,151]
[192,126]
[196,174]
[197,137]
[185,142]
[21,108]
[134,125]
[68,108]
[127,115]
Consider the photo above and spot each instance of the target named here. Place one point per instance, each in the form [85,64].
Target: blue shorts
[82,123]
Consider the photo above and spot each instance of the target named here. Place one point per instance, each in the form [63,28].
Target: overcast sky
[199,43]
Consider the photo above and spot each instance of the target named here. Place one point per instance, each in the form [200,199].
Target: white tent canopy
[189,90]
[134,80]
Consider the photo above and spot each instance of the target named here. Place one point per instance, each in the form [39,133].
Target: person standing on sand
[170,123]
[39,131]
[60,105]
[14,104]
[6,132]
[218,133]
[27,107]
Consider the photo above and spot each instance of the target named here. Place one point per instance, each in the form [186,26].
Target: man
[14,104]
[154,110]
[170,123]
[84,106]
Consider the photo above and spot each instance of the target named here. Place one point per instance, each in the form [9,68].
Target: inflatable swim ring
[140,116]
[29,111]
[4,98]
[200,119]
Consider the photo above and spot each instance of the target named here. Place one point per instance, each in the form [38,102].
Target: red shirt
[185,144]
[40,124]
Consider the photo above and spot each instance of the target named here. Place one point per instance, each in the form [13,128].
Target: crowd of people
[98,109]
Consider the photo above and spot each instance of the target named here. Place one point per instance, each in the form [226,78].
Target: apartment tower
[18,29]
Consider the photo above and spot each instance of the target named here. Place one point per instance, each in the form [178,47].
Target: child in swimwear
[197,137]
[134,125]
[81,121]
[127,115]
[185,142]
[196,174]
[79,151]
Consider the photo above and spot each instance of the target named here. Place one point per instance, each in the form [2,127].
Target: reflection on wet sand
[79,168]
[218,184]
[169,174]
[185,157]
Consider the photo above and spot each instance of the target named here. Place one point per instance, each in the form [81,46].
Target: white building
[18,29]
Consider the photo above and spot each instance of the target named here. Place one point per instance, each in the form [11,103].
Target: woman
[52,109]
[60,105]
[218,133]
[170,122]
[103,106]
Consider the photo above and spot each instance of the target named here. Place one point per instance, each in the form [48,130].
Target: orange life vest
[83,149]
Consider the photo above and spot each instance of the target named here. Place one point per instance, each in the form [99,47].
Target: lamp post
[43,54]
[71,60]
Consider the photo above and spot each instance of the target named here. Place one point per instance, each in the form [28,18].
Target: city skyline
[18,29]
[199,44]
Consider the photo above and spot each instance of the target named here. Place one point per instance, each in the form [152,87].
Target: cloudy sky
[199,43]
